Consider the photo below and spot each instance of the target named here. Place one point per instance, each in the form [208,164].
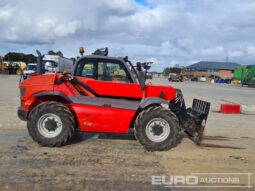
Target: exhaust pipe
[39,68]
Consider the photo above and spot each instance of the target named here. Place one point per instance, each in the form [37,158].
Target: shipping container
[239,73]
[249,76]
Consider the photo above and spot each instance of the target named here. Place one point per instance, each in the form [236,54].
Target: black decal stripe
[75,81]
[106,102]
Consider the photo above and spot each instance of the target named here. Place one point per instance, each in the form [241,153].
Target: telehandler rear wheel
[51,124]
[157,128]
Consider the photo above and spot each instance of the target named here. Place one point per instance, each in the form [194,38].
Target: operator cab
[99,66]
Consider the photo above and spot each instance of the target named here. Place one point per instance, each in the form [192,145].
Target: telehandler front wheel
[157,129]
[51,124]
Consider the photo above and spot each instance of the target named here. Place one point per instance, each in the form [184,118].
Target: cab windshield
[50,66]
[31,67]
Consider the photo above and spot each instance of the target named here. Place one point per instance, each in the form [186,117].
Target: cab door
[109,78]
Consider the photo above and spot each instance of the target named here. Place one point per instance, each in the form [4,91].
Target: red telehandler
[107,95]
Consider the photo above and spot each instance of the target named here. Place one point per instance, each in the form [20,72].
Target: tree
[166,71]
[176,70]
[58,53]
[30,58]
[14,56]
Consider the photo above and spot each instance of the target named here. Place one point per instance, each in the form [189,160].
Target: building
[223,70]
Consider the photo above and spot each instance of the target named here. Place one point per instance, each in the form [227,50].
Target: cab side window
[109,71]
[104,70]
[86,69]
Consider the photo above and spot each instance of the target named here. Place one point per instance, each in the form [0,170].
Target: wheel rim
[157,130]
[50,125]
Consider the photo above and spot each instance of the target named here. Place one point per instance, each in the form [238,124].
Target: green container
[239,73]
[249,76]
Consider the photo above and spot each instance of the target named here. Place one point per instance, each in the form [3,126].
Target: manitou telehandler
[107,95]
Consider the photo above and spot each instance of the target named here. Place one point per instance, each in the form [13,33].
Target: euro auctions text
[232,180]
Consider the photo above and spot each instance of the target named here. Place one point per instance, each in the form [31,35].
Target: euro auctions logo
[231,180]
[175,180]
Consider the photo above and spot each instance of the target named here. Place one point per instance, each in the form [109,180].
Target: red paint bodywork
[118,89]
[93,118]
[110,120]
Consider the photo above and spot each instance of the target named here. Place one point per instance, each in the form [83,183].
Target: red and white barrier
[237,109]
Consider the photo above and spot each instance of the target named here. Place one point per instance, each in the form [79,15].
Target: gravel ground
[119,162]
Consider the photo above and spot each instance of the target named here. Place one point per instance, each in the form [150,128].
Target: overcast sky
[167,32]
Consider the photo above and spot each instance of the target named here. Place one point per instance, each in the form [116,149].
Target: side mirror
[126,59]
[141,75]
[101,52]
[142,79]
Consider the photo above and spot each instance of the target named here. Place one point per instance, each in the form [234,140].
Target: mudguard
[54,94]
[152,101]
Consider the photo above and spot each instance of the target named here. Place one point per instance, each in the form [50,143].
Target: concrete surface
[119,162]
[215,93]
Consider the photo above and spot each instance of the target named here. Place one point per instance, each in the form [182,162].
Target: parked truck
[239,74]
[249,76]
[55,64]
[173,77]
[245,75]
[31,69]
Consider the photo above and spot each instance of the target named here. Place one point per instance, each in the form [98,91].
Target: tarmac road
[119,162]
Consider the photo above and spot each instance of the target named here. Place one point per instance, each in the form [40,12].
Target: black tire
[154,113]
[59,110]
